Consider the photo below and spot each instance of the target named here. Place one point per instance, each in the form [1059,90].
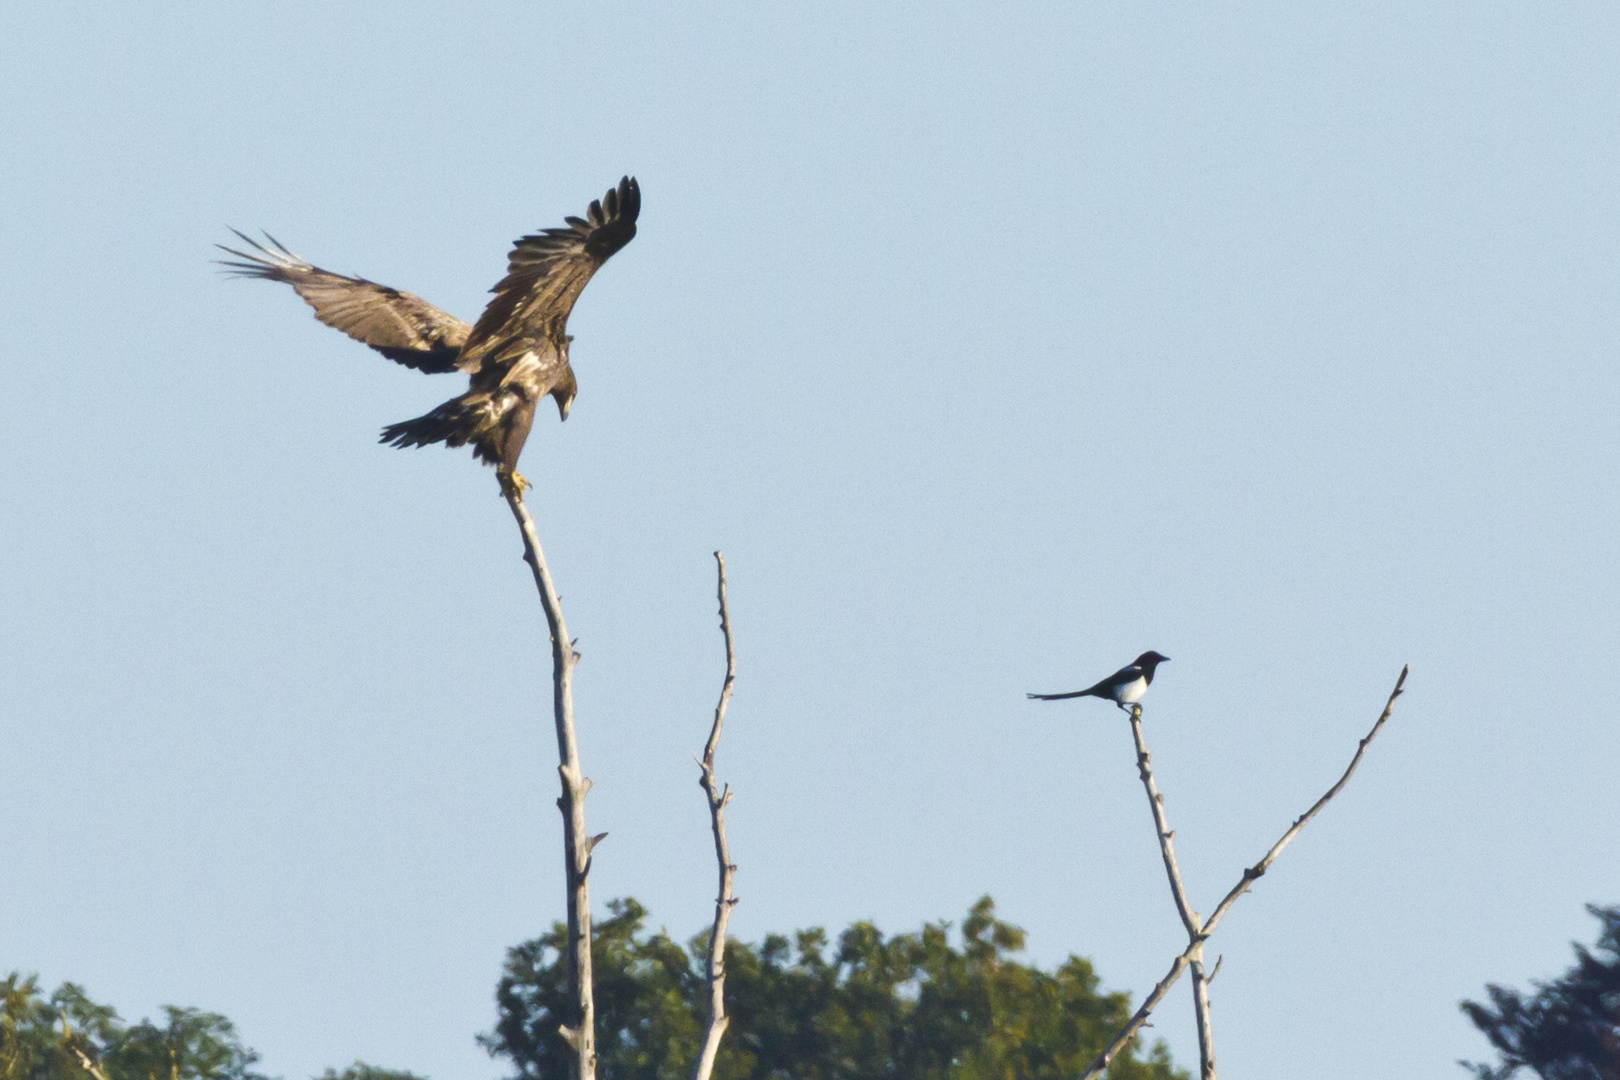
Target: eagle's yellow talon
[512,482]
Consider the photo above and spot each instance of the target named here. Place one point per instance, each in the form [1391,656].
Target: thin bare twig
[718,798]
[1255,872]
[1139,1019]
[85,1061]
[580,1028]
[1194,949]
[89,1066]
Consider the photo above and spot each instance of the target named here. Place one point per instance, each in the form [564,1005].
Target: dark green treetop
[908,1007]
[69,1037]
[1569,1029]
[361,1071]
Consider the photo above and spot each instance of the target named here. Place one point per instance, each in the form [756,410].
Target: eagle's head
[564,392]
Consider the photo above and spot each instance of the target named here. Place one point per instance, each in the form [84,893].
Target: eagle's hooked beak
[565,387]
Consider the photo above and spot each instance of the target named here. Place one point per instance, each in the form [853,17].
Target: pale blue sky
[993,346]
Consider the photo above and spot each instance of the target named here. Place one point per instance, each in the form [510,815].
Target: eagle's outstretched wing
[547,271]
[400,325]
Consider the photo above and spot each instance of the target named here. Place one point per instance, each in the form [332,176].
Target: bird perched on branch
[1124,687]
[515,354]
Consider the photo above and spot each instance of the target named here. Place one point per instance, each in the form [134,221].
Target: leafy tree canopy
[1569,1029]
[909,1007]
[361,1071]
[69,1037]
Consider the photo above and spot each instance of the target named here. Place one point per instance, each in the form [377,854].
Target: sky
[993,346]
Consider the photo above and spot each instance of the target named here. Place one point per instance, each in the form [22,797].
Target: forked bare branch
[1194,952]
[580,1028]
[726,900]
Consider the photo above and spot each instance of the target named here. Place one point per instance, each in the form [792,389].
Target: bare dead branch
[1194,950]
[85,1060]
[1206,1034]
[726,900]
[89,1066]
[1161,826]
[1253,873]
[580,1028]
[1139,1019]
[1189,917]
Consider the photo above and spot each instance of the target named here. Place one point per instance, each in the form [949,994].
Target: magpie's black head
[1150,660]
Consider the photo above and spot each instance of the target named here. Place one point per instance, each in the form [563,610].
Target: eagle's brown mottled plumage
[515,354]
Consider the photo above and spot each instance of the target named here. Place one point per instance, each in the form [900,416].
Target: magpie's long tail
[1059,697]
[455,423]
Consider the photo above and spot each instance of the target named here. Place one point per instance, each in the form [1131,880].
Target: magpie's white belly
[1130,693]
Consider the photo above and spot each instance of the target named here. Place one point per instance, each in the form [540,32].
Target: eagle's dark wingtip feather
[266,264]
[280,246]
[250,266]
[629,198]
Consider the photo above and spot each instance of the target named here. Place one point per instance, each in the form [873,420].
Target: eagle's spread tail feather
[496,426]
[455,423]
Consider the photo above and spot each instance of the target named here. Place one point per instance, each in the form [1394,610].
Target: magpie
[1124,687]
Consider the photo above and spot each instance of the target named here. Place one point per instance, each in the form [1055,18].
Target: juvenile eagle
[515,354]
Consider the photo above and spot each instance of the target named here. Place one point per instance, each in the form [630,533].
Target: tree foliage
[908,1007]
[361,1071]
[1569,1029]
[69,1037]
